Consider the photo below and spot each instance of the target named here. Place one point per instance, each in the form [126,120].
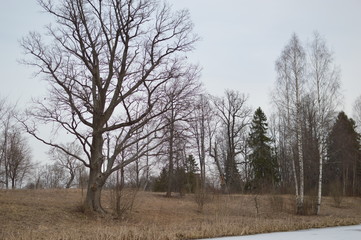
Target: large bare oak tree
[105,62]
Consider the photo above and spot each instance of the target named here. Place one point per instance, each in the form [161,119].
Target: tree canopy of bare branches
[306,97]
[228,142]
[105,62]
[357,112]
[324,90]
[291,70]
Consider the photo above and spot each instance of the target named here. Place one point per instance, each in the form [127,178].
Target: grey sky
[242,39]
[240,42]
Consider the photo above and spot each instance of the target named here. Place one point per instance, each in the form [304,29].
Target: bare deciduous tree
[6,125]
[106,63]
[67,161]
[15,153]
[234,115]
[201,118]
[291,70]
[18,158]
[179,95]
[306,96]
[324,88]
[357,113]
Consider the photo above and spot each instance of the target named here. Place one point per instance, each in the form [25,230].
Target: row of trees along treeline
[122,87]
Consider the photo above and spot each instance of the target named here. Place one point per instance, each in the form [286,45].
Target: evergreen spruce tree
[343,166]
[161,182]
[262,159]
[185,177]
[191,173]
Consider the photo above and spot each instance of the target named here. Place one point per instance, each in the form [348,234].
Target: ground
[330,233]
[57,214]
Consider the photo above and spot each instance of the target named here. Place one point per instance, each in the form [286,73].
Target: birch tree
[357,112]
[324,87]
[291,71]
[105,62]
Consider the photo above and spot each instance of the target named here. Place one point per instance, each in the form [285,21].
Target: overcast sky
[240,42]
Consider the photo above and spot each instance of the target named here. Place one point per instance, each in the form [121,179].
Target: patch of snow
[331,233]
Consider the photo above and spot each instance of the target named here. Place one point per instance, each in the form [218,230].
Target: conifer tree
[161,182]
[191,173]
[185,177]
[262,159]
[343,165]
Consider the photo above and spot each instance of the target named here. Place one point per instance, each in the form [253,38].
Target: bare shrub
[122,201]
[201,197]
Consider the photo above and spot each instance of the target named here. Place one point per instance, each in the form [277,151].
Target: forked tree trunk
[71,179]
[96,179]
[92,201]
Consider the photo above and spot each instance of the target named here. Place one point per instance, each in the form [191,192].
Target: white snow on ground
[333,233]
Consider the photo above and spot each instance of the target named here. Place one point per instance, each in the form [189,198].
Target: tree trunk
[170,175]
[171,163]
[299,149]
[295,177]
[345,179]
[137,171]
[146,172]
[319,195]
[96,182]
[202,157]
[301,185]
[68,184]
[13,183]
[221,173]
[353,182]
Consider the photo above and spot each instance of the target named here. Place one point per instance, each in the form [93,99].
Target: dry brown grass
[54,214]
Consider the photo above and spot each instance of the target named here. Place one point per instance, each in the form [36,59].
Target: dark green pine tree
[262,159]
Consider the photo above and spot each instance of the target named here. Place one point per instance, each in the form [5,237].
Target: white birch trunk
[300,162]
[295,177]
[319,194]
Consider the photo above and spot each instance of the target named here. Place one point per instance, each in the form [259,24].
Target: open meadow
[56,214]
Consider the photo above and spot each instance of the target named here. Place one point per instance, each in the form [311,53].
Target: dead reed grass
[54,214]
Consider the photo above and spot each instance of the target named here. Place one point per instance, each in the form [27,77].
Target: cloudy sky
[240,41]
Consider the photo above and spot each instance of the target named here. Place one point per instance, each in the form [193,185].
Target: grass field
[56,214]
